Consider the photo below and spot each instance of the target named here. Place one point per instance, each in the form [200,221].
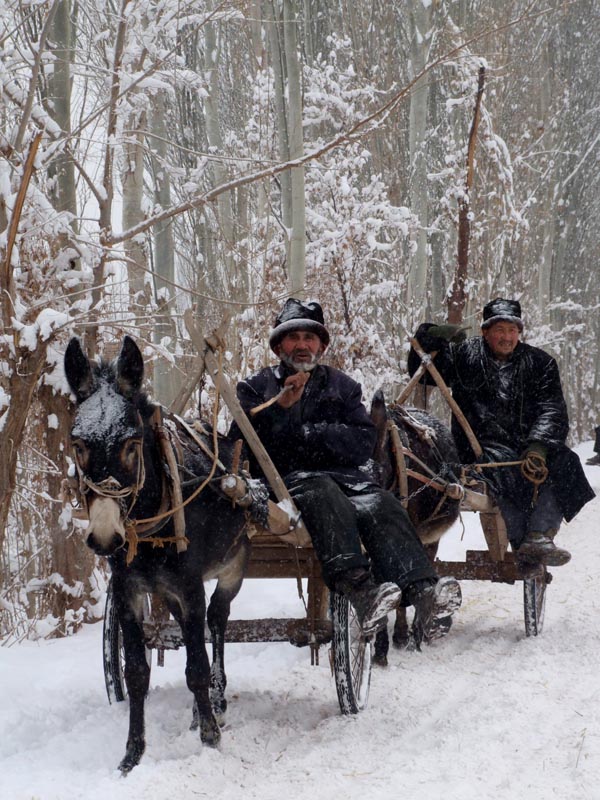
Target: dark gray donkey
[123,478]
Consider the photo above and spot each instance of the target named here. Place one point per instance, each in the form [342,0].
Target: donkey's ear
[379,417]
[78,371]
[130,368]
[378,409]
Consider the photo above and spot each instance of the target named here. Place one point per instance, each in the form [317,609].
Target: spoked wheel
[534,601]
[351,656]
[113,652]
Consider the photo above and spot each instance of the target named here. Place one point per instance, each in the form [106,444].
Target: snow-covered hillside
[485,713]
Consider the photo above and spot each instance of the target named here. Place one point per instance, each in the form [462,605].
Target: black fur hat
[501,310]
[299,316]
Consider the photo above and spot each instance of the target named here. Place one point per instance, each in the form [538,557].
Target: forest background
[397,161]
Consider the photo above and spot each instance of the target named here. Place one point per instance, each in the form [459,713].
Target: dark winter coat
[327,430]
[510,405]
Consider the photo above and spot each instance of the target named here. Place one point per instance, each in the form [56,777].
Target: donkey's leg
[229,584]
[401,634]
[137,679]
[197,670]
[382,646]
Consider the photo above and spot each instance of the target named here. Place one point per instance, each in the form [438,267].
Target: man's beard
[302,366]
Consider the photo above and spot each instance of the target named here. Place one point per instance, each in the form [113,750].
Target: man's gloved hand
[534,467]
[450,333]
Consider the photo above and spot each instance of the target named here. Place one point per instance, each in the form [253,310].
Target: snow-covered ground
[484,713]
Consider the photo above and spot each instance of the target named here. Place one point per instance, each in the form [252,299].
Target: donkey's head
[106,439]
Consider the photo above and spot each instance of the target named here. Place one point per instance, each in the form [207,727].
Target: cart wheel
[534,602]
[113,653]
[351,657]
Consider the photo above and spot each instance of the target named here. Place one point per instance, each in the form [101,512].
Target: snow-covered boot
[434,605]
[539,548]
[372,602]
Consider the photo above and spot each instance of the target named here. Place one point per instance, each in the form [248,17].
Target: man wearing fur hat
[511,395]
[320,437]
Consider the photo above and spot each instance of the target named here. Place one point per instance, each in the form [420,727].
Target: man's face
[502,338]
[300,350]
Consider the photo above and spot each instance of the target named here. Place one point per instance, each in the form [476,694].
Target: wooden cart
[329,620]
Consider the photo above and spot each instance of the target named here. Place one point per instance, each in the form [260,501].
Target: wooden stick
[195,375]
[407,391]
[400,463]
[270,402]
[426,359]
[183,395]
[229,396]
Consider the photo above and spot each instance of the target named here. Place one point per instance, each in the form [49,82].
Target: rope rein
[533,469]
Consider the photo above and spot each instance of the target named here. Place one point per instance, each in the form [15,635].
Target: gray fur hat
[502,310]
[299,316]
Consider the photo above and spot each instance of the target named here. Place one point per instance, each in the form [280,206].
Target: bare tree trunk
[71,558]
[167,380]
[548,218]
[215,140]
[132,179]
[280,77]
[297,265]
[421,20]
[105,199]
[59,90]
[457,298]
[21,387]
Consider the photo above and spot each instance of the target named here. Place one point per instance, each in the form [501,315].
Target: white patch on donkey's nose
[105,522]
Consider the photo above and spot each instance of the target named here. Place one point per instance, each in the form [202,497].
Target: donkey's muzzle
[106,532]
[106,547]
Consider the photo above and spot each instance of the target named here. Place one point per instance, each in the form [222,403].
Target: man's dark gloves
[450,333]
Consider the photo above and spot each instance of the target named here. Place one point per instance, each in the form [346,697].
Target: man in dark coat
[511,395]
[320,438]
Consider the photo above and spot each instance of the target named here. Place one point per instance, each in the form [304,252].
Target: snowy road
[485,713]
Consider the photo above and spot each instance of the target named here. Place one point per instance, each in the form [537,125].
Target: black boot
[434,605]
[539,548]
[594,461]
[372,602]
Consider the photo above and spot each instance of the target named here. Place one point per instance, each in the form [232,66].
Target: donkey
[123,479]
[434,455]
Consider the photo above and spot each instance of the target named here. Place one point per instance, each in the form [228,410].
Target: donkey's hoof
[380,660]
[401,639]
[210,733]
[219,708]
[131,759]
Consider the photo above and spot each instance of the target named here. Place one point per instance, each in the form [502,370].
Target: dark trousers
[544,516]
[339,519]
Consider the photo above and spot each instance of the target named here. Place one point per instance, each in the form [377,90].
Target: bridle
[111,487]
[172,503]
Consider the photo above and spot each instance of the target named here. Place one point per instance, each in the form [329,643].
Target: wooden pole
[429,365]
[408,389]
[300,534]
